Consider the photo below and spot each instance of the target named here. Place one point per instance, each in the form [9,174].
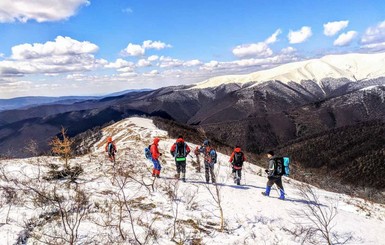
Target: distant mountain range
[32,101]
[258,111]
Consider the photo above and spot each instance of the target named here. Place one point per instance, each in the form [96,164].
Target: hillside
[122,204]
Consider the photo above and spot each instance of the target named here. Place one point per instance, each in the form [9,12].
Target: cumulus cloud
[40,11]
[345,38]
[190,63]
[139,50]
[155,45]
[143,63]
[300,36]
[273,38]
[133,50]
[61,46]
[288,50]
[374,34]
[332,28]
[260,49]
[375,46]
[62,55]
[153,58]
[119,63]
[168,62]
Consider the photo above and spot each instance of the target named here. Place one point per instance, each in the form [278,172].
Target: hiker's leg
[207,169]
[183,170]
[212,173]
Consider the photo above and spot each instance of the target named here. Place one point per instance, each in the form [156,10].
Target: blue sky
[93,47]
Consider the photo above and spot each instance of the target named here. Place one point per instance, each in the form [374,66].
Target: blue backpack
[213,155]
[286,164]
[147,152]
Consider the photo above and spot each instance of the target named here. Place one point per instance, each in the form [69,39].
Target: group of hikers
[180,150]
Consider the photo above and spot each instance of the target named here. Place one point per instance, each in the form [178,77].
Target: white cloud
[375,46]
[143,63]
[168,62]
[288,50]
[148,44]
[300,36]
[128,74]
[153,58]
[374,34]
[63,55]
[192,63]
[273,38]
[61,46]
[133,50]
[126,69]
[332,28]
[345,38]
[260,49]
[40,10]
[139,50]
[119,63]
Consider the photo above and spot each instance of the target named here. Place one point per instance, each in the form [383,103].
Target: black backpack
[180,151]
[111,149]
[279,168]
[238,159]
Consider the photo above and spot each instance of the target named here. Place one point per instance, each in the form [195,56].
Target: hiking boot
[157,176]
[238,182]
[265,194]
[184,179]
[177,176]
[207,181]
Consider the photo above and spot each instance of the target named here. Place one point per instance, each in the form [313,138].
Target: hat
[270,153]
[206,142]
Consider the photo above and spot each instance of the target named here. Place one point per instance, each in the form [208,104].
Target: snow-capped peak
[351,66]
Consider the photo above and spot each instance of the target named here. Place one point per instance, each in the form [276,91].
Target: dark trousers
[275,180]
[237,173]
[180,166]
[209,170]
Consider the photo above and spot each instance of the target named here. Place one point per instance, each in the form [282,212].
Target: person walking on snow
[111,149]
[155,158]
[236,159]
[273,178]
[210,158]
[179,150]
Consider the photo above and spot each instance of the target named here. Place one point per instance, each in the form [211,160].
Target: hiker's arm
[270,170]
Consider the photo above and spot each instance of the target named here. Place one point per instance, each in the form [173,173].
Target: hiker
[274,176]
[236,159]
[155,158]
[179,150]
[111,149]
[210,158]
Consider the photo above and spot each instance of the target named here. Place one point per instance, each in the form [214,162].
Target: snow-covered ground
[121,201]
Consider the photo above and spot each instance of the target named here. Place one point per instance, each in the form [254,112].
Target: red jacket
[173,147]
[236,150]
[109,140]
[154,149]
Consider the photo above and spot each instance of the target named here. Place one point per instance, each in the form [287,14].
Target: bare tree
[316,222]
[217,197]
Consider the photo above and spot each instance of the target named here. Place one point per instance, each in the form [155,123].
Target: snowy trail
[250,218]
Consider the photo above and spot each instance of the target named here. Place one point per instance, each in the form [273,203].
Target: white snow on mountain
[351,66]
[123,198]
